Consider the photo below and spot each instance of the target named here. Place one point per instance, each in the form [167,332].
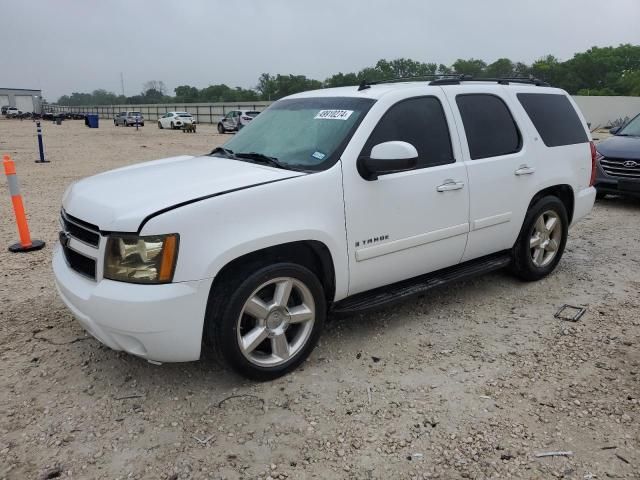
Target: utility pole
[122,83]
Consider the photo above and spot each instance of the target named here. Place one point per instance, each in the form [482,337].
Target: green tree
[472,66]
[186,94]
[503,67]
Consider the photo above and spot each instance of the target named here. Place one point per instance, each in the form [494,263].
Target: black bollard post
[40,145]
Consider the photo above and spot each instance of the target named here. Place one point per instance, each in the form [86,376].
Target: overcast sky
[65,46]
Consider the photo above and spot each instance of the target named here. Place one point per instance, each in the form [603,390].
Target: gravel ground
[471,381]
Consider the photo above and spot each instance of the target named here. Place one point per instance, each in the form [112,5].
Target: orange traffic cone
[25,244]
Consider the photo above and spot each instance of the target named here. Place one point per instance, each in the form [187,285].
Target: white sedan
[174,120]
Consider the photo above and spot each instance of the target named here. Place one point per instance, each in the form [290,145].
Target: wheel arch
[312,254]
[564,192]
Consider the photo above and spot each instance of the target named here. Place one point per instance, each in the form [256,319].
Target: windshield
[632,128]
[304,133]
[134,114]
[252,114]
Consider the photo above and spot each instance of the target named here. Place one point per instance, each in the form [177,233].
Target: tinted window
[490,128]
[420,122]
[554,117]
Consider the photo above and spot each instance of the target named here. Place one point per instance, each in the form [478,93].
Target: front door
[407,223]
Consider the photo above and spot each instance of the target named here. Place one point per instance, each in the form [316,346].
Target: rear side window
[420,122]
[554,117]
[490,127]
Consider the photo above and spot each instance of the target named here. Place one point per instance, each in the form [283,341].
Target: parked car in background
[618,160]
[175,120]
[341,199]
[129,119]
[235,120]
[13,112]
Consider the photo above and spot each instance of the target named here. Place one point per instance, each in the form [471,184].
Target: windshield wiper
[224,151]
[262,158]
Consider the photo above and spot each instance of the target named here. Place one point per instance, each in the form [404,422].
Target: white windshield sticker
[333,114]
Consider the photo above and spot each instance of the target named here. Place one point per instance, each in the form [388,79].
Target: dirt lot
[471,381]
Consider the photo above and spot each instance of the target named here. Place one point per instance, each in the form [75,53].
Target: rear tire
[256,333]
[221,129]
[542,239]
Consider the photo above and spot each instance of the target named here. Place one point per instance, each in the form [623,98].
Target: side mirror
[614,130]
[388,157]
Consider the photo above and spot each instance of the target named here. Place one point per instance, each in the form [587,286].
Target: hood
[620,147]
[119,200]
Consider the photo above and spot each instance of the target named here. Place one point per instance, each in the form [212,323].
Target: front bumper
[161,323]
[606,183]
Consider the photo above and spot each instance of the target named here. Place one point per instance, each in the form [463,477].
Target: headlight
[134,259]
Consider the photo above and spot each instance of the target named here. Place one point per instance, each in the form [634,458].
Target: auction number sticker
[333,115]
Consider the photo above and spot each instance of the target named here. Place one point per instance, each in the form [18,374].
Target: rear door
[502,170]
[407,223]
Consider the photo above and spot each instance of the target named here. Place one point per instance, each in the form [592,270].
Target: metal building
[23,99]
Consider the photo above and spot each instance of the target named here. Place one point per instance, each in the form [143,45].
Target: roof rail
[438,76]
[455,79]
[501,81]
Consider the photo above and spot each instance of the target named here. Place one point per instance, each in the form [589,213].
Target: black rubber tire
[160,126]
[226,303]
[600,195]
[522,265]
[221,129]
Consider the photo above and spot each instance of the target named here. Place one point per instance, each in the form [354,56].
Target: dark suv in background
[618,161]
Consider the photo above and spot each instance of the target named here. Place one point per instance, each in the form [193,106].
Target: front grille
[87,233]
[83,231]
[83,265]
[616,167]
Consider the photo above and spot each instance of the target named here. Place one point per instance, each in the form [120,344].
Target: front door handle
[525,170]
[449,185]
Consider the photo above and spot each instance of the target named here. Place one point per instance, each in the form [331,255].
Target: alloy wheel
[546,238]
[276,322]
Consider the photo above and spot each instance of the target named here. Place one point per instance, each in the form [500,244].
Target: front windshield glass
[303,133]
[632,128]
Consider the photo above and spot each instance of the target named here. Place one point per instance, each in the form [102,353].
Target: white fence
[599,111]
[203,112]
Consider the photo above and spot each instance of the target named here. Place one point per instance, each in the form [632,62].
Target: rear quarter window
[554,117]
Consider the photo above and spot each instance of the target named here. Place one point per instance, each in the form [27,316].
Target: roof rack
[437,76]
[455,79]
[501,80]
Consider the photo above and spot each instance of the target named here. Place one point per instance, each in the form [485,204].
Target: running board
[414,286]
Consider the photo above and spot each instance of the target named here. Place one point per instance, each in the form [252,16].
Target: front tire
[221,129]
[542,239]
[264,323]
[160,126]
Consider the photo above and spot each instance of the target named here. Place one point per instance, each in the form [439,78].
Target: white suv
[335,200]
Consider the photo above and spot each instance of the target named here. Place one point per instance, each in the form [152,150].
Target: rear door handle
[449,185]
[525,170]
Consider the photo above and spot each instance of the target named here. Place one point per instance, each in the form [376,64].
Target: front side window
[421,122]
[490,128]
[304,133]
